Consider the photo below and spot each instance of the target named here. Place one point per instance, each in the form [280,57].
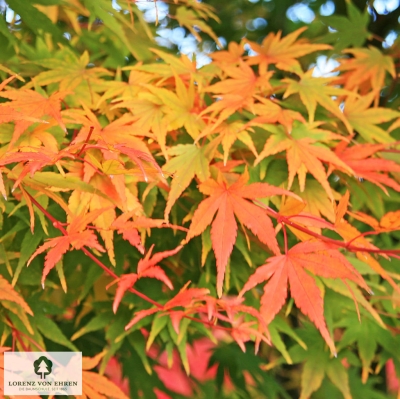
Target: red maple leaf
[185,298]
[77,238]
[373,169]
[147,267]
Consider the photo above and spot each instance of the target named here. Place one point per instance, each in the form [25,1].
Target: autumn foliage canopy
[154,213]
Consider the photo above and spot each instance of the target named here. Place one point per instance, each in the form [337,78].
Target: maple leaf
[32,104]
[8,293]
[181,109]
[5,82]
[389,221]
[183,66]
[232,56]
[189,161]
[302,156]
[122,131]
[368,66]
[148,115]
[229,309]
[367,336]
[230,201]
[313,91]
[112,141]
[76,238]
[137,156]
[359,159]
[9,114]
[69,71]
[283,53]
[317,257]
[242,80]
[107,194]
[129,229]
[228,105]
[2,187]
[147,267]
[228,133]
[237,92]
[189,19]
[34,161]
[365,119]
[184,298]
[129,89]
[271,112]
[317,363]
[316,202]
[350,234]
[106,216]
[308,213]
[351,31]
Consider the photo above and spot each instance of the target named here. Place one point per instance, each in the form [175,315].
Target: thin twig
[86,141]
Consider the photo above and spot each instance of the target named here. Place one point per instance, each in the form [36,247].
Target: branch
[347,245]
[59,225]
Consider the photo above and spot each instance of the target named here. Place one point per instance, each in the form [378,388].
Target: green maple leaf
[318,364]
[351,31]
[367,335]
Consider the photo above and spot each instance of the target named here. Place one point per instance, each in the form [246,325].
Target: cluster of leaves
[125,169]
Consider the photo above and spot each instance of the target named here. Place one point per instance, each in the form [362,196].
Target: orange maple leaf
[33,105]
[232,56]
[228,133]
[269,111]
[283,52]
[352,236]
[242,80]
[389,222]
[237,92]
[8,293]
[231,200]
[320,259]
[366,68]
[33,161]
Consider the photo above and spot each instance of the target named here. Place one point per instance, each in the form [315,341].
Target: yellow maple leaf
[302,156]
[365,119]
[181,109]
[313,91]
[189,19]
[68,71]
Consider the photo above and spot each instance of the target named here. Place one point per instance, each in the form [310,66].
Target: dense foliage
[229,230]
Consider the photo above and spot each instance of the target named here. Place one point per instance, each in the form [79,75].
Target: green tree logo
[43,366]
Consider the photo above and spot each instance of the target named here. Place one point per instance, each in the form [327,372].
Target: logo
[42,373]
[43,366]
